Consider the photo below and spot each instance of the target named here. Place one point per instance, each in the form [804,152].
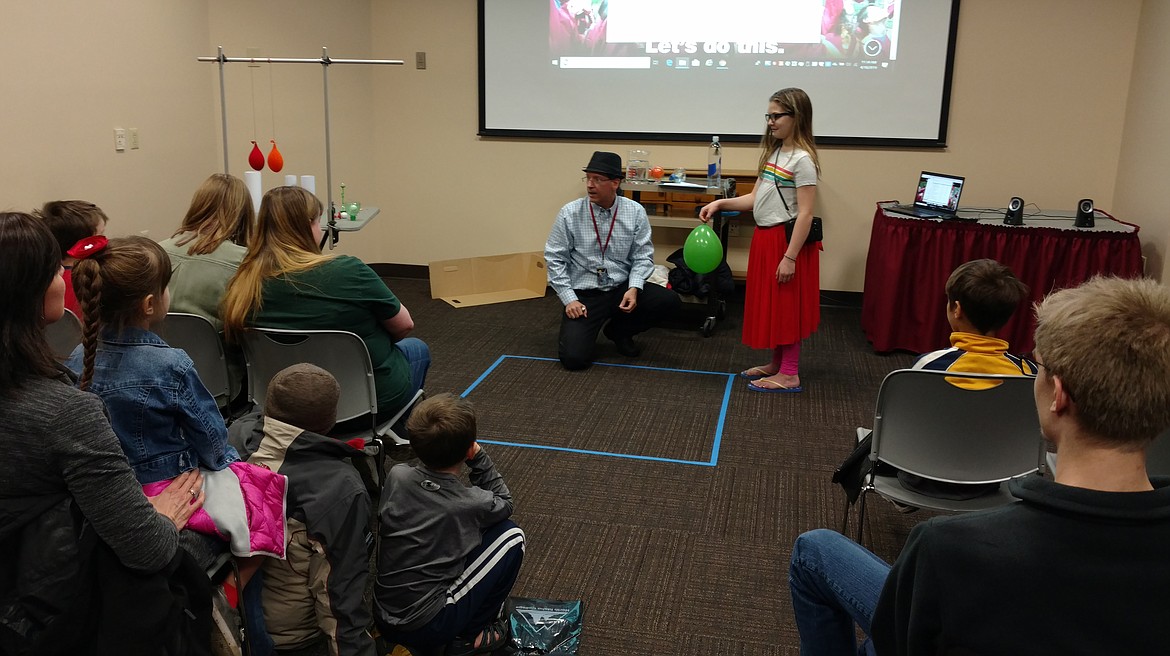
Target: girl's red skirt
[774,313]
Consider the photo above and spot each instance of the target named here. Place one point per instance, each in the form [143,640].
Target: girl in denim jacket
[166,419]
[164,416]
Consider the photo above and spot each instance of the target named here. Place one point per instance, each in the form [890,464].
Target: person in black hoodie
[1078,564]
[314,598]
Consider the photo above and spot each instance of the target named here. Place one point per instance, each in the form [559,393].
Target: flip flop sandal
[772,387]
[755,373]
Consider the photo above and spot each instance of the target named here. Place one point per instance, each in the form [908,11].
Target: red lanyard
[597,233]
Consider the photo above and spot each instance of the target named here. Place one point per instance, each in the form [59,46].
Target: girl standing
[782,304]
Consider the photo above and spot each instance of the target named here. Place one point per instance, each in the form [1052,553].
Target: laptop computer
[937,197]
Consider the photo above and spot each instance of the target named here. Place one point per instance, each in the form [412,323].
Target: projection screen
[878,73]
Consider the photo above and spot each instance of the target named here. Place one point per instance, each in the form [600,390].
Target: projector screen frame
[937,142]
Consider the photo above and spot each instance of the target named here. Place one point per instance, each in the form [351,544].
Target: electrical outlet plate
[119,139]
[420,60]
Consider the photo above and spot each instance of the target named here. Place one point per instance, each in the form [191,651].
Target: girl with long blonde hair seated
[286,282]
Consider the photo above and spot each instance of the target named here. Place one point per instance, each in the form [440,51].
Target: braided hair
[110,287]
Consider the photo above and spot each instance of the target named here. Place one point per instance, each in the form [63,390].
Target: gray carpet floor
[665,494]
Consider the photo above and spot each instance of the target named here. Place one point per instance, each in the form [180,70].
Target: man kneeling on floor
[1078,565]
[449,555]
[599,256]
[314,598]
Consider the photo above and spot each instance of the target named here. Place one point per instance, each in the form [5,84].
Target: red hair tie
[88,247]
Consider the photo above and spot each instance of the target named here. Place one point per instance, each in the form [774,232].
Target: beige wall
[289,98]
[1035,113]
[73,71]
[1145,148]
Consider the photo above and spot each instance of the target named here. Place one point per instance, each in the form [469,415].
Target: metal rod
[325,62]
[286,60]
[328,147]
[223,110]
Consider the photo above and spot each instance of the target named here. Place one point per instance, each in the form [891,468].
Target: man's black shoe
[625,345]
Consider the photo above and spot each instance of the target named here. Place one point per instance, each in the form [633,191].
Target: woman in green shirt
[286,282]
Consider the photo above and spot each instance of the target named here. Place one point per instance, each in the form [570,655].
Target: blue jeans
[418,354]
[259,641]
[835,583]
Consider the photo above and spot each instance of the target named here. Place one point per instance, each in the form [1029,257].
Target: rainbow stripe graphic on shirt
[776,174]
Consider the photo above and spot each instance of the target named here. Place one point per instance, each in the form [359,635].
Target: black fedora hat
[607,164]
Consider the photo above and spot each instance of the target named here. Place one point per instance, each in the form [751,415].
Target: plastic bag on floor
[545,627]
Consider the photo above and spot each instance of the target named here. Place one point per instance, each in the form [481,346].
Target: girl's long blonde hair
[796,101]
[281,244]
[221,209]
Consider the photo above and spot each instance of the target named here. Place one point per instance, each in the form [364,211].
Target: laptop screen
[938,191]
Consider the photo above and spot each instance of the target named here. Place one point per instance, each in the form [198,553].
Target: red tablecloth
[910,260]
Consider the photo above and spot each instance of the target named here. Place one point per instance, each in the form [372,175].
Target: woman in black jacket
[72,516]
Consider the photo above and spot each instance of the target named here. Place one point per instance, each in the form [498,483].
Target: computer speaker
[1085,213]
[1015,212]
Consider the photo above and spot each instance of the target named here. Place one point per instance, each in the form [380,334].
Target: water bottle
[714,163]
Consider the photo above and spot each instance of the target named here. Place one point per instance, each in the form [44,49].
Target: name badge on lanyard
[601,271]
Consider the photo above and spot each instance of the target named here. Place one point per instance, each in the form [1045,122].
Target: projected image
[692,34]
[578,27]
[685,70]
[852,31]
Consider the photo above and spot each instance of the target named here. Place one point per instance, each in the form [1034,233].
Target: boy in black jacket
[315,596]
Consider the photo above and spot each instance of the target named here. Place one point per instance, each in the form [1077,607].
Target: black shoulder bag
[816,232]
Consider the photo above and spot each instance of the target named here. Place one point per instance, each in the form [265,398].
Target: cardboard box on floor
[475,281]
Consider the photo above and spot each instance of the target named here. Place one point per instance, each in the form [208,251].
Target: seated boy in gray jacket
[449,554]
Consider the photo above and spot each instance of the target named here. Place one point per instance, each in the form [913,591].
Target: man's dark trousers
[578,338]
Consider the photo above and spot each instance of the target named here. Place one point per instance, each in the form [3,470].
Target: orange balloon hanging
[275,159]
[256,157]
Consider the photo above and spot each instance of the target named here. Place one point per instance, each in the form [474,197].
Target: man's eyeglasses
[595,179]
[776,116]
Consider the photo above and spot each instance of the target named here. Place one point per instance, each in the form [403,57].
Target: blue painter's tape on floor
[718,426]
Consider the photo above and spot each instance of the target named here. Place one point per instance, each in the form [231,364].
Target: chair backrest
[64,334]
[203,344]
[341,353]
[925,425]
[1158,456]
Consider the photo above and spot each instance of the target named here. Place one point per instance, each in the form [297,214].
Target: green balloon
[703,251]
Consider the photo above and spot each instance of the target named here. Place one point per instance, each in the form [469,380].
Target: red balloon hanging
[256,157]
[275,159]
